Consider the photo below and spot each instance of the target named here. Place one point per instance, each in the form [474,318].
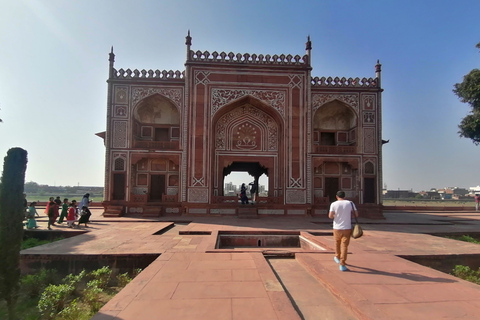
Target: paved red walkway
[192,280]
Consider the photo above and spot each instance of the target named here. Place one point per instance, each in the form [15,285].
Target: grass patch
[34,242]
[465,238]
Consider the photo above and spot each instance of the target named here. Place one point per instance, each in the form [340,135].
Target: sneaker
[336,260]
[343,268]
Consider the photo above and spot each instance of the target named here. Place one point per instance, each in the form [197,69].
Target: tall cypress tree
[12,213]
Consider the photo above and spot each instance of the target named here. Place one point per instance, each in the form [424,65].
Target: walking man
[341,212]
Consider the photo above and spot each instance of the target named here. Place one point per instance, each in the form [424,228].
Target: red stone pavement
[193,280]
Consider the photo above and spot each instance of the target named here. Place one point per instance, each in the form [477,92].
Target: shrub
[34,284]
[74,281]
[91,295]
[31,285]
[136,272]
[54,299]
[102,275]
[123,279]
[71,312]
[465,273]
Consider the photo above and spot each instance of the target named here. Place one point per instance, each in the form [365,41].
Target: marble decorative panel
[198,195]
[295,211]
[121,111]
[172,210]
[172,191]
[320,99]
[221,97]
[271,211]
[369,102]
[121,94]
[119,134]
[174,94]
[246,128]
[295,196]
[223,211]
[369,140]
[197,211]
[201,77]
[135,209]
[369,117]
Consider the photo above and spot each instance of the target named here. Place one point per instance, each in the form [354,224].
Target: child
[84,216]
[72,214]
[52,211]
[64,212]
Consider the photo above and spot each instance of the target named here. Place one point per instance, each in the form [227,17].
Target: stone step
[152,211]
[247,212]
[113,211]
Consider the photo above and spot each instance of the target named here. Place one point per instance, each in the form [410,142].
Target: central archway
[246,137]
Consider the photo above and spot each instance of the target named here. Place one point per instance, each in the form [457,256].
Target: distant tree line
[43,189]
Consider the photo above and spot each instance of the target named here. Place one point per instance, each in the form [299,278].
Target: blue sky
[54,67]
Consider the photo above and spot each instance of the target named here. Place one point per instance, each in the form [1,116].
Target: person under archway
[253,191]
[243,194]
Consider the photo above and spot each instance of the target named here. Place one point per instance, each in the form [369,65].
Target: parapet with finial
[345,82]
[246,58]
[148,74]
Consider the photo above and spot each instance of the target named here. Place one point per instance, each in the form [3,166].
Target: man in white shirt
[341,213]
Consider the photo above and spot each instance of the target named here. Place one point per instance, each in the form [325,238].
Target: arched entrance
[246,136]
[254,169]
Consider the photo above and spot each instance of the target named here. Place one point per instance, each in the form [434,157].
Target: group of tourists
[71,212]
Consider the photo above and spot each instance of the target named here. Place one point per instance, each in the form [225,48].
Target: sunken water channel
[266,240]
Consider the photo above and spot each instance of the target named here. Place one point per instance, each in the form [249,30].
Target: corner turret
[308,48]
[111,59]
[378,73]
[188,42]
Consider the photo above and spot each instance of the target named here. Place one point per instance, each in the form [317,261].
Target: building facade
[173,136]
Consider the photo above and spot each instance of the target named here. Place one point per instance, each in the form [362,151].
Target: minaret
[308,48]
[378,73]
[112,61]
[188,42]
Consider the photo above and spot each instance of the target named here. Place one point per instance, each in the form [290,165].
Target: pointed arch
[156,118]
[335,115]
[335,123]
[247,124]
[247,131]
[156,109]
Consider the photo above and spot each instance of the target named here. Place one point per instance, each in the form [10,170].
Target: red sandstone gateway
[173,137]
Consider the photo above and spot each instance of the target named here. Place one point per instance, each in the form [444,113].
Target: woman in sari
[31,222]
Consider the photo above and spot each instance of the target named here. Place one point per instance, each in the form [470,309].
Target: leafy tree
[11,225]
[469,92]
[31,187]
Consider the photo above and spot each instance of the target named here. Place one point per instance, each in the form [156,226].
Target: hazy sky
[54,67]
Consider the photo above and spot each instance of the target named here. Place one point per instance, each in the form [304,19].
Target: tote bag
[357,231]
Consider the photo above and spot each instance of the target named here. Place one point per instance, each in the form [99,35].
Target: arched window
[156,119]
[369,168]
[119,164]
[334,124]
